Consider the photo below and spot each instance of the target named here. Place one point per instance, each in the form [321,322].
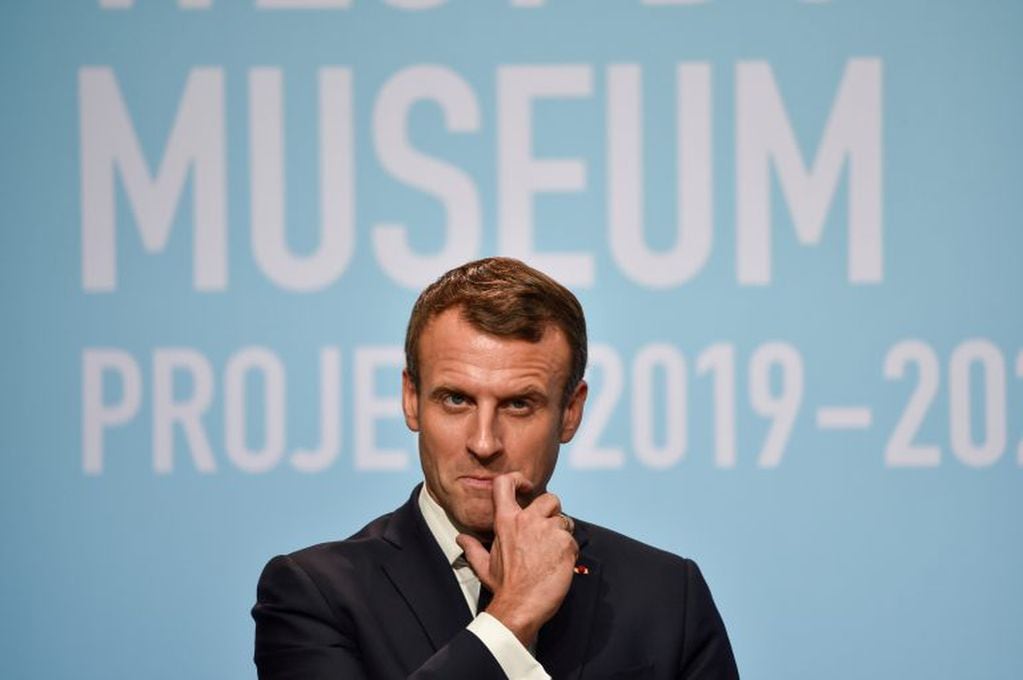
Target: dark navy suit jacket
[385,604]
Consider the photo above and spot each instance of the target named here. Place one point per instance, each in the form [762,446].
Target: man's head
[495,353]
[505,298]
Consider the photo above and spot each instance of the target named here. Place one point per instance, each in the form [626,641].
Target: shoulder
[355,553]
[648,582]
[352,564]
[327,577]
[612,544]
[625,558]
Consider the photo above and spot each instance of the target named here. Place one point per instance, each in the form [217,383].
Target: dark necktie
[485,597]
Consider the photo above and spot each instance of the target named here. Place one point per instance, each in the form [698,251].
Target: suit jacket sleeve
[300,636]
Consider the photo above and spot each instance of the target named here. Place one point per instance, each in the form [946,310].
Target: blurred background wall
[794,225]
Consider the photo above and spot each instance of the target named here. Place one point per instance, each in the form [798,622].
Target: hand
[530,565]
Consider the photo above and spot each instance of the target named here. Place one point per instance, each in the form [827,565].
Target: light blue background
[831,565]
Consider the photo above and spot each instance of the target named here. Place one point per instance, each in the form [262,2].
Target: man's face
[486,406]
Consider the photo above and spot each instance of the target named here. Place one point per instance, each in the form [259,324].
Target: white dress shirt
[514,658]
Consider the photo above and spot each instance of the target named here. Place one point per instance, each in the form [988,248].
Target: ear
[410,402]
[573,413]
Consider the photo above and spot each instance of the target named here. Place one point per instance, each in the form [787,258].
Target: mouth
[480,482]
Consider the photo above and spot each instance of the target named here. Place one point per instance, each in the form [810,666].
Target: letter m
[763,136]
[109,144]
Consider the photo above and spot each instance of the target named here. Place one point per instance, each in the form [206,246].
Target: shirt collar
[444,532]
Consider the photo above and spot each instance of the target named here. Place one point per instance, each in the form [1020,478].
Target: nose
[484,441]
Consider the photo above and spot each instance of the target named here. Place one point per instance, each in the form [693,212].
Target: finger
[477,557]
[505,489]
[562,523]
[545,505]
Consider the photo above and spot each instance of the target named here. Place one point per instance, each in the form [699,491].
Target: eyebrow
[443,390]
[530,392]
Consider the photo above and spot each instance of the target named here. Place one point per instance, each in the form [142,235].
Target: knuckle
[549,503]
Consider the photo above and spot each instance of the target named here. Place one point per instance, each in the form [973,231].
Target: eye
[519,405]
[454,399]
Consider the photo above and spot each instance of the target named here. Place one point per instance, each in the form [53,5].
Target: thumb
[477,556]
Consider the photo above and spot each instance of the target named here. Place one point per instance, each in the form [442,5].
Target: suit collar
[423,576]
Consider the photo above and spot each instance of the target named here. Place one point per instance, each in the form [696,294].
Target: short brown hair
[506,298]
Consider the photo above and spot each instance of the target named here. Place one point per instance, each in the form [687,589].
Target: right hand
[531,562]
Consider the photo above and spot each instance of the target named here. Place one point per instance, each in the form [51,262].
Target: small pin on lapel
[582,569]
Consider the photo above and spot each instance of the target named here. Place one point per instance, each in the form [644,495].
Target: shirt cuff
[512,656]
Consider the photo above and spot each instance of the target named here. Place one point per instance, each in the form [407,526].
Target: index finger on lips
[505,489]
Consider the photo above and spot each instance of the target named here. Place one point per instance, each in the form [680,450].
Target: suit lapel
[420,572]
[561,647]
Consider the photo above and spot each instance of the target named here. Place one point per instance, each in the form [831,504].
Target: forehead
[452,349]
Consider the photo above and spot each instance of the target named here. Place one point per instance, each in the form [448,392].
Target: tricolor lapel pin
[582,569]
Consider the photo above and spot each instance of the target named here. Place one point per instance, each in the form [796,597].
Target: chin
[477,522]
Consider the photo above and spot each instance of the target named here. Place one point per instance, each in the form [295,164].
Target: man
[479,575]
